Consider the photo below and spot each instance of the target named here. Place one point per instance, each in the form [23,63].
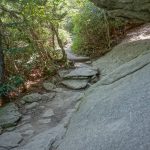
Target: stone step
[79,59]
[75,84]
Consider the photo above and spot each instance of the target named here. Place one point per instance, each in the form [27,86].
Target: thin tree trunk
[59,42]
[2,64]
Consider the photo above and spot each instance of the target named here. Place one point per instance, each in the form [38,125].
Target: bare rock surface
[126,69]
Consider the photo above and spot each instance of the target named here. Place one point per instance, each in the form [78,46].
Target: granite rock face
[129,9]
[114,116]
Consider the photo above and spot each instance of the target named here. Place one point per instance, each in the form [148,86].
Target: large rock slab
[83,72]
[126,69]
[113,116]
[129,9]
[9,115]
[10,140]
[75,84]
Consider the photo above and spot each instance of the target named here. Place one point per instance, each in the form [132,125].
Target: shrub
[12,83]
[92,30]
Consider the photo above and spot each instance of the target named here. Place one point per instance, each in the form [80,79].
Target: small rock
[31,106]
[9,115]
[10,139]
[49,86]
[75,84]
[48,113]
[35,97]
[44,121]
[48,96]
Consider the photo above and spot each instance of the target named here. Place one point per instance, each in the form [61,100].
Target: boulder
[75,84]
[35,97]
[138,10]
[9,115]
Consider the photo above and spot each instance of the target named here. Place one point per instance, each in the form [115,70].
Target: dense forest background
[33,34]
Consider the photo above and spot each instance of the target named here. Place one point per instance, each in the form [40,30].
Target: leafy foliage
[30,37]
[92,30]
[12,83]
[28,29]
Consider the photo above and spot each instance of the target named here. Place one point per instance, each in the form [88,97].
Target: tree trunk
[2,64]
[59,42]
